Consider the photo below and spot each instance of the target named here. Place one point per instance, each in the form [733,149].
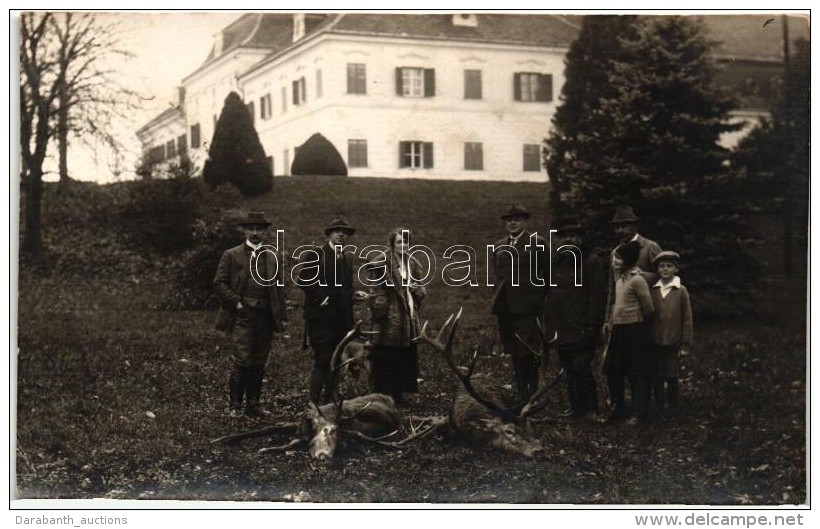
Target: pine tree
[236,155]
[649,137]
[570,150]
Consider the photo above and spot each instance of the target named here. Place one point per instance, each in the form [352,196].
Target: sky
[166,47]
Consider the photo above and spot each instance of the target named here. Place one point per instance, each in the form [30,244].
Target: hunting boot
[236,391]
[254,391]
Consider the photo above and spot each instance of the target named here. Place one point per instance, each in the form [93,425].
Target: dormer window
[298,26]
[462,19]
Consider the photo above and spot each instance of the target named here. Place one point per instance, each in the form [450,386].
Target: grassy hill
[118,396]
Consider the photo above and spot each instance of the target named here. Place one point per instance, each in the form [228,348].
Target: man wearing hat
[326,277]
[574,311]
[625,225]
[252,307]
[520,264]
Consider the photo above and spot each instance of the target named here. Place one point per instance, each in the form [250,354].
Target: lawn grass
[117,397]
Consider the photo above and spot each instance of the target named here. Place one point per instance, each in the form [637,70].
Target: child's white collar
[675,283]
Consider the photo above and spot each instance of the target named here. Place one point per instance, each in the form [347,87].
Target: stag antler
[425,428]
[542,332]
[521,409]
[447,333]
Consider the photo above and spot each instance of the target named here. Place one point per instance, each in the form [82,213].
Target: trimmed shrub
[236,155]
[317,156]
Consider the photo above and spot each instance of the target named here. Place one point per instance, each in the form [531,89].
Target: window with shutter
[473,156]
[532,157]
[195,142]
[265,107]
[415,154]
[472,84]
[531,87]
[415,82]
[356,78]
[357,153]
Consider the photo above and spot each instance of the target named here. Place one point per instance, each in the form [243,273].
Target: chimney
[179,96]
[298,26]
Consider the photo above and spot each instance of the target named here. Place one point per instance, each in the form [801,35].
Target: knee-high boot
[253,408]
[236,391]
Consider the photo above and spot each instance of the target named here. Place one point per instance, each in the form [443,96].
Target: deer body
[369,415]
[473,422]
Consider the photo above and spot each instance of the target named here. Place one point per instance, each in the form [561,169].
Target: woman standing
[395,300]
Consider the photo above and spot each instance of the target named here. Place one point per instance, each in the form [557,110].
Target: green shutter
[429,82]
[399,90]
[517,87]
[428,155]
[545,87]
[401,155]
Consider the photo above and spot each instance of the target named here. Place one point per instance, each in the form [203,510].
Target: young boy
[671,329]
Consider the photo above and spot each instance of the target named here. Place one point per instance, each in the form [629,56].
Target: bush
[158,215]
[212,233]
[317,156]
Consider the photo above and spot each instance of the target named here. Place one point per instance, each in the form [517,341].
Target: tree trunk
[62,138]
[32,240]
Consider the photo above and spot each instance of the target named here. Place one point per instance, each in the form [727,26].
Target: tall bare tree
[68,91]
[39,89]
[91,97]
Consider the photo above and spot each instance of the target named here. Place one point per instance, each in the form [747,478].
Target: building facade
[458,96]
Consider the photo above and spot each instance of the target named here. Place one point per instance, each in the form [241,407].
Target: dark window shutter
[303,85]
[351,79]
[517,87]
[399,90]
[429,82]
[545,87]
[295,93]
[401,155]
[428,155]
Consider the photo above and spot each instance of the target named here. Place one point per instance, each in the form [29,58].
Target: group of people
[636,308]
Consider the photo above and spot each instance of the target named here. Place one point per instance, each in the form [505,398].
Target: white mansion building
[460,96]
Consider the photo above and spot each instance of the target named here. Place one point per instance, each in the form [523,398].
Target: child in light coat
[671,329]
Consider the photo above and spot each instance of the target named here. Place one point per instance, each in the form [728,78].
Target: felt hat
[516,210]
[624,215]
[340,224]
[255,218]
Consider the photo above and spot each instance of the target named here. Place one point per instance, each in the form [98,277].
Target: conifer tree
[236,155]
[647,135]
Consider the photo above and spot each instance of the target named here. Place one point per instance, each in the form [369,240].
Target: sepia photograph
[428,258]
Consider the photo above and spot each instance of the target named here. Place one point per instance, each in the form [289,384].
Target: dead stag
[372,417]
[479,413]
